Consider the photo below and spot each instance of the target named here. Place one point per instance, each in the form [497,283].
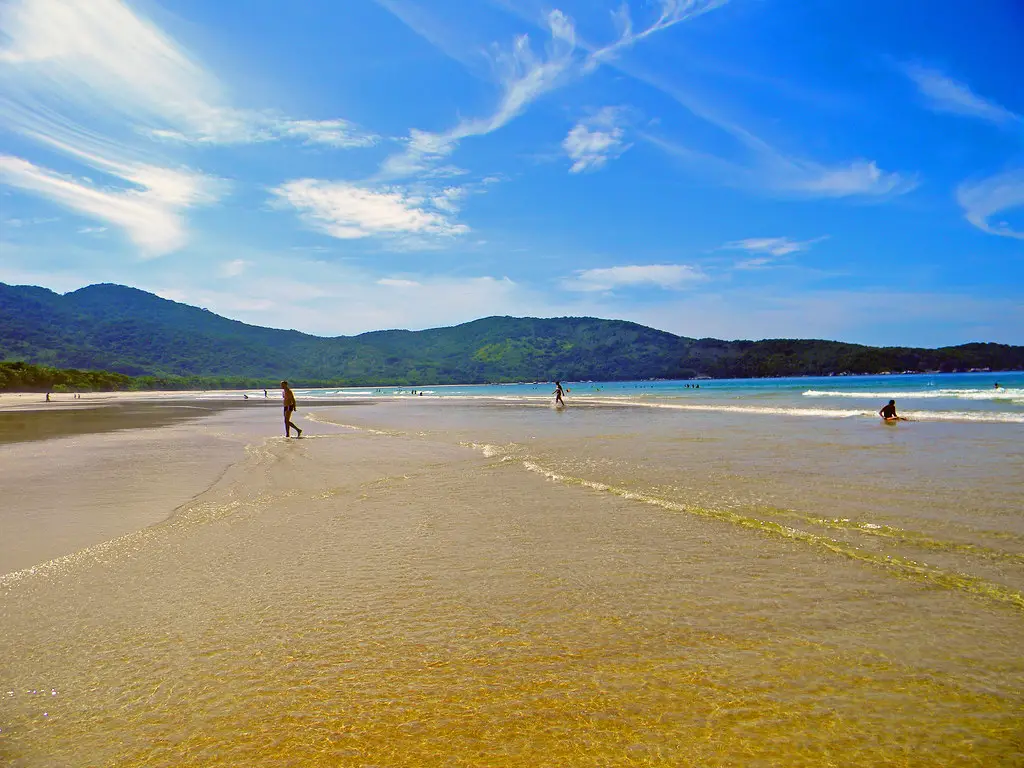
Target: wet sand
[84,472]
[414,585]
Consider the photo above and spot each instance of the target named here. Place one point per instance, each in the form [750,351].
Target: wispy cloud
[350,211]
[944,94]
[596,139]
[772,249]
[149,214]
[33,222]
[524,76]
[399,282]
[672,12]
[669,276]
[776,246]
[769,170]
[233,126]
[234,268]
[91,230]
[68,59]
[983,199]
[99,83]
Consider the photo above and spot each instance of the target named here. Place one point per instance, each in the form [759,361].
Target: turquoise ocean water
[968,397]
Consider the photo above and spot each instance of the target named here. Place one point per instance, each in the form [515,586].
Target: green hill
[128,331]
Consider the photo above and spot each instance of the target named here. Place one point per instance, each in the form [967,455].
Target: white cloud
[349,211]
[755,263]
[33,222]
[234,126]
[672,12]
[98,82]
[661,275]
[449,199]
[775,246]
[100,59]
[769,170]
[984,199]
[860,177]
[397,282]
[524,77]
[234,268]
[150,215]
[91,230]
[594,140]
[943,94]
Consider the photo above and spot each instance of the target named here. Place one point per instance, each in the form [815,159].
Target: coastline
[25,417]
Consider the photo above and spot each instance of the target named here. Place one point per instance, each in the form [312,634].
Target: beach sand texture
[501,584]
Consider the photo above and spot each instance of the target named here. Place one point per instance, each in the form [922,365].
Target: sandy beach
[489,583]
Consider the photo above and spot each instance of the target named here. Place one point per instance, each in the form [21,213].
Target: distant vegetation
[25,377]
[22,377]
[166,345]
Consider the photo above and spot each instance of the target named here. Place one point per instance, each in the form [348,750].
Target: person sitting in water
[888,412]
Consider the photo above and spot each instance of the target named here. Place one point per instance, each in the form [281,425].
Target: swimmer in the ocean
[888,412]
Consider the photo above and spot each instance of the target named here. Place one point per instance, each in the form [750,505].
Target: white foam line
[831,413]
[489,451]
[1014,395]
[826,413]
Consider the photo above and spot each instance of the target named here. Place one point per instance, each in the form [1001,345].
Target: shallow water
[449,583]
[956,397]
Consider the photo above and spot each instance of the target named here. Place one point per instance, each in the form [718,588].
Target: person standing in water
[289,409]
[558,394]
[888,412]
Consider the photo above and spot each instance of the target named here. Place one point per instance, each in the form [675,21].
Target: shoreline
[77,483]
[22,420]
[78,478]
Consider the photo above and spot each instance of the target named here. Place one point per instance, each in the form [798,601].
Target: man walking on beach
[289,409]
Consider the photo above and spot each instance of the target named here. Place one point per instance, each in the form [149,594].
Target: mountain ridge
[130,331]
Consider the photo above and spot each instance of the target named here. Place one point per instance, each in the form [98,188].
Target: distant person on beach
[265,393]
[888,412]
[47,397]
[289,409]
[558,394]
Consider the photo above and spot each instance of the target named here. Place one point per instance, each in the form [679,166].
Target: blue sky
[728,168]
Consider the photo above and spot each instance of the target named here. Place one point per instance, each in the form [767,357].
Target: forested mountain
[125,330]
